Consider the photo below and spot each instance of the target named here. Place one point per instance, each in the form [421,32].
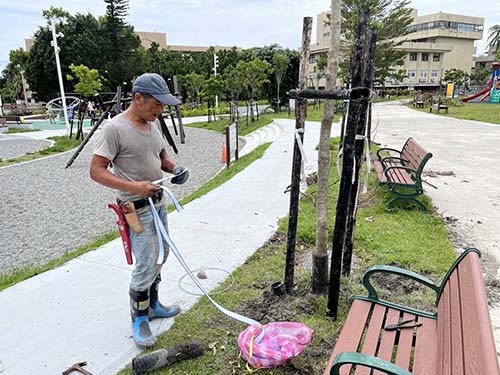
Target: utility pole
[216,65]
[59,73]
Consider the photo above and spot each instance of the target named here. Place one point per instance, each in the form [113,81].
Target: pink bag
[280,342]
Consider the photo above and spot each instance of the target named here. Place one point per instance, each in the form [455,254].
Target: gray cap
[154,85]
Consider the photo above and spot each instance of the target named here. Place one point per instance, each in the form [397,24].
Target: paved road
[470,197]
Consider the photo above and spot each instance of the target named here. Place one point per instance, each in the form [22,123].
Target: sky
[243,23]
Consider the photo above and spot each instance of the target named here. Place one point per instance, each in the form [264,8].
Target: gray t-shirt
[135,155]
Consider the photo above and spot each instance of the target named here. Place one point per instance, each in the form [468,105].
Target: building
[315,78]
[148,37]
[436,43]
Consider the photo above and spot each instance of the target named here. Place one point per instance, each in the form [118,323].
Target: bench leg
[408,199]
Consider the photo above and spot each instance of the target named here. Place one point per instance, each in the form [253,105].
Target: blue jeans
[145,249]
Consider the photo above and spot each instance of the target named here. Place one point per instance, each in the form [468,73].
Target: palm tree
[493,39]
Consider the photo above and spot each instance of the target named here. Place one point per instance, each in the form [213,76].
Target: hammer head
[77,367]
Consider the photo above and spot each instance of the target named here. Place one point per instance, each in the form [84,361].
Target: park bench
[455,340]
[402,173]
[12,118]
[439,105]
[418,102]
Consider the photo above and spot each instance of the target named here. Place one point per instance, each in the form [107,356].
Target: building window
[434,73]
[413,56]
[312,59]
[423,76]
[425,56]
[459,26]
[436,57]
[411,74]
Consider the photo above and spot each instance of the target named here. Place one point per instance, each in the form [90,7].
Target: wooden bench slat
[479,346]
[388,338]
[458,342]
[444,321]
[457,360]
[372,337]
[405,344]
[424,358]
[350,339]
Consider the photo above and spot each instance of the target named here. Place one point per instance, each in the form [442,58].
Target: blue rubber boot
[139,306]
[156,309]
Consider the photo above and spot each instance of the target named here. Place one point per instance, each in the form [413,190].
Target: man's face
[150,108]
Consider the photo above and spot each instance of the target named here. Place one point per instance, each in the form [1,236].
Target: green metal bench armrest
[395,158]
[386,149]
[372,293]
[352,358]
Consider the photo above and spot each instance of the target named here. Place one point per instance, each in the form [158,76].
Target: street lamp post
[216,64]
[59,73]
[24,86]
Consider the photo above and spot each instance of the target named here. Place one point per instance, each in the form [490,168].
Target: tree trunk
[301,107]
[320,254]
[358,155]
[354,121]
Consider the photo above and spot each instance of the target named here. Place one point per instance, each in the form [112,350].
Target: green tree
[212,87]
[391,18]
[457,76]
[494,40]
[81,44]
[89,82]
[480,76]
[254,74]
[11,86]
[193,84]
[120,49]
[235,83]
[320,68]
[280,66]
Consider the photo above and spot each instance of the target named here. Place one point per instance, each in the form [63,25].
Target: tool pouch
[131,216]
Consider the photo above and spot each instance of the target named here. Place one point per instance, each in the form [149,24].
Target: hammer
[77,367]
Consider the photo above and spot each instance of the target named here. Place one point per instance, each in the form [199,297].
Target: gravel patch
[48,211]
[14,146]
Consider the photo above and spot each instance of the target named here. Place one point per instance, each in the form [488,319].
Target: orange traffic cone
[224,153]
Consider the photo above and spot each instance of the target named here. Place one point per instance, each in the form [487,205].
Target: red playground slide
[486,91]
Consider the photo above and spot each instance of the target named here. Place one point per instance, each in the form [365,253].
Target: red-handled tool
[123,228]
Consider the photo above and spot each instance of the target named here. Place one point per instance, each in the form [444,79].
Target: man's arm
[167,163]
[99,173]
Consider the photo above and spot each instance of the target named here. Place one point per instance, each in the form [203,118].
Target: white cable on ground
[163,233]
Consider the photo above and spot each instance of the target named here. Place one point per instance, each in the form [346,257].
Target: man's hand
[181,175]
[144,189]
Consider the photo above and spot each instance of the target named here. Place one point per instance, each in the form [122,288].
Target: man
[132,141]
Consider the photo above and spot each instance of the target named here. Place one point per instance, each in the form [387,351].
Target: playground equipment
[490,93]
[56,105]
[116,105]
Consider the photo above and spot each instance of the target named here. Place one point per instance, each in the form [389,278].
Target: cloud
[243,23]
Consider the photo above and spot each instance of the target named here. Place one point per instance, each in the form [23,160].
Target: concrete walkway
[79,311]
[469,196]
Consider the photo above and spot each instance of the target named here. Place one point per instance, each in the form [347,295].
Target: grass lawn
[410,238]
[21,130]
[485,112]
[313,114]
